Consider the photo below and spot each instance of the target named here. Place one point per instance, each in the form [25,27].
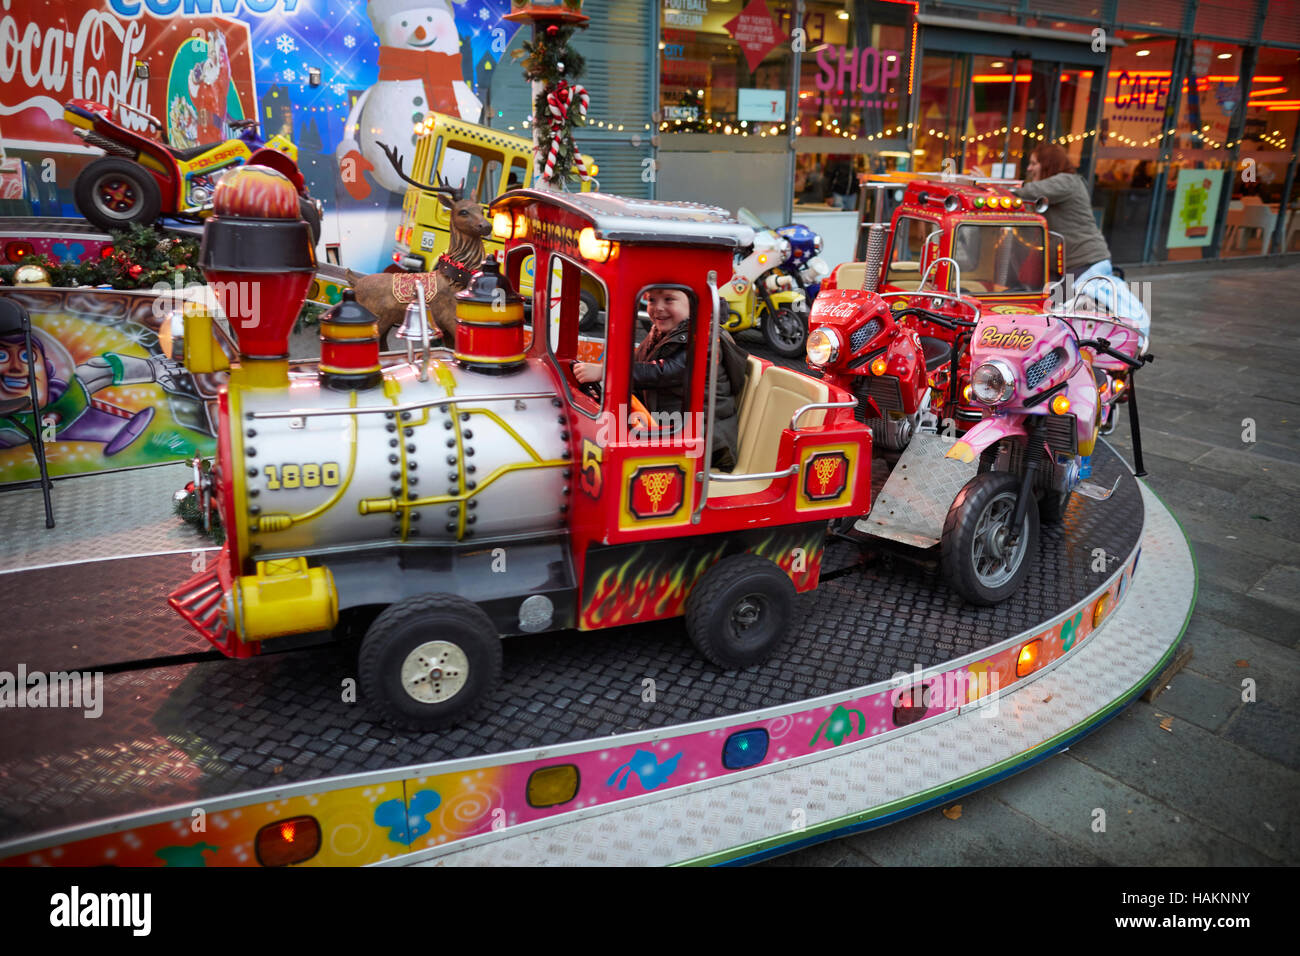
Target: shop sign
[756,32]
[857,71]
[761,105]
[681,112]
[685,13]
[1196,203]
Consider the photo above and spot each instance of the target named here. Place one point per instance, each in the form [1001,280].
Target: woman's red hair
[1053,159]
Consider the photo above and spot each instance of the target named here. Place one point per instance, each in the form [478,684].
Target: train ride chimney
[258,255]
[349,346]
[489,322]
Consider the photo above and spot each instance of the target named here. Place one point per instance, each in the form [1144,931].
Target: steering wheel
[590,389]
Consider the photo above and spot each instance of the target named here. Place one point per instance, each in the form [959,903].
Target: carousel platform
[615,747]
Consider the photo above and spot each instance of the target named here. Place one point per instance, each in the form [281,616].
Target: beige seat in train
[772,395]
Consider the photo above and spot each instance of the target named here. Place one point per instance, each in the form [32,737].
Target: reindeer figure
[387,294]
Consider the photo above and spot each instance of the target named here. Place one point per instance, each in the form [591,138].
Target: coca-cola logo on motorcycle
[838,310]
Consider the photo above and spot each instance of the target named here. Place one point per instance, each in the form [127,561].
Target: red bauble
[552,30]
[135,270]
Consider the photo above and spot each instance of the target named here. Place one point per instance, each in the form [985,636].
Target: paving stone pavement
[1202,776]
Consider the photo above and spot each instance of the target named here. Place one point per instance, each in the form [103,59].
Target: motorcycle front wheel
[980,558]
[116,193]
[785,332]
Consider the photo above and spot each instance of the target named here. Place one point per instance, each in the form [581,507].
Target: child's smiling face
[667,308]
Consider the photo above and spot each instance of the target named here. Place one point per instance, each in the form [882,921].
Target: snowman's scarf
[437,71]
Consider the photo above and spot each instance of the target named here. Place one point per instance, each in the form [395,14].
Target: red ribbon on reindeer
[558,104]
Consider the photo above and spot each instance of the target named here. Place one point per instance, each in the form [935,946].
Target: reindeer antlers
[395,160]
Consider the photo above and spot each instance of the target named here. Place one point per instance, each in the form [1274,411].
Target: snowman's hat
[380,10]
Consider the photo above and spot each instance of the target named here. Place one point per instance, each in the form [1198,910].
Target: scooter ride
[1043,408]
[805,266]
[143,179]
[758,295]
[1123,333]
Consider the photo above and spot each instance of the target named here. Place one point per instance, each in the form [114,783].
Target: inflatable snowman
[419,72]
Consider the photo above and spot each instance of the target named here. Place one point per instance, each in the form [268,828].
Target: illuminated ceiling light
[843,14]
[997,64]
[1225,56]
[1143,52]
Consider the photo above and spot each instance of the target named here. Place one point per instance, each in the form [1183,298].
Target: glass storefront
[1188,142]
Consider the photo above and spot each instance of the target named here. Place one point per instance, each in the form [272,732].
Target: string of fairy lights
[832,128]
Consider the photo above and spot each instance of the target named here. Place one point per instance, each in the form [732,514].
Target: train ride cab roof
[622,219]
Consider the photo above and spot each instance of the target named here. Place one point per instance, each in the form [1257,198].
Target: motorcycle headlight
[993,382]
[823,347]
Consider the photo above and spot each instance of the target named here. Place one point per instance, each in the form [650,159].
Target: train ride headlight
[521,226]
[823,347]
[1060,404]
[596,250]
[879,367]
[993,382]
[503,227]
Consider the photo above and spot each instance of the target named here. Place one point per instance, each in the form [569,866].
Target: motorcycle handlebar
[1101,345]
[946,321]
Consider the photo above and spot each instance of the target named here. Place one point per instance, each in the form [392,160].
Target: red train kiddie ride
[480,492]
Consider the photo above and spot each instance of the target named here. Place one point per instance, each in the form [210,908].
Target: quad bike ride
[761,295]
[142,179]
[381,499]
[1035,376]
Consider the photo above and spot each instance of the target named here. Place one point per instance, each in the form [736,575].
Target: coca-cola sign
[78,49]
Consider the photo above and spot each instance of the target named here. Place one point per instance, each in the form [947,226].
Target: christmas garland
[140,259]
[561,104]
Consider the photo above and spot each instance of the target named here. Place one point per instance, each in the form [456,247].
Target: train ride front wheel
[428,661]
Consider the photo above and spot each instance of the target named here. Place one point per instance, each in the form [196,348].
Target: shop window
[1000,259]
[1199,163]
[1138,85]
[1266,150]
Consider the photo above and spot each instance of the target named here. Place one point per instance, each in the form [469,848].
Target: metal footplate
[1090,489]
[914,502]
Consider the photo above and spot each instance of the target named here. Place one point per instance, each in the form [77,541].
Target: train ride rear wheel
[740,610]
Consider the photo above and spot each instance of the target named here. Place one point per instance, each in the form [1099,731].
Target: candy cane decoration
[558,104]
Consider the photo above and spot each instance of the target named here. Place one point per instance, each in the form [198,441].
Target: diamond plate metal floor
[174,734]
[96,517]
